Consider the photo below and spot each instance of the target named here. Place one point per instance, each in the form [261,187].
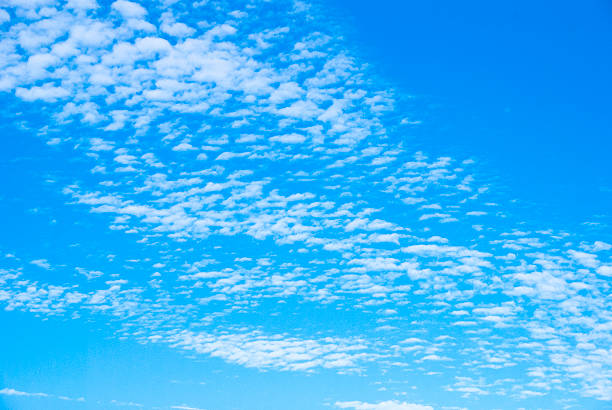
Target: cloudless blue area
[524,86]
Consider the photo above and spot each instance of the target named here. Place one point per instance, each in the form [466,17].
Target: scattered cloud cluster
[262,170]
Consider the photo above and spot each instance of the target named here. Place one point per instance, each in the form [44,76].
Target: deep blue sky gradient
[524,86]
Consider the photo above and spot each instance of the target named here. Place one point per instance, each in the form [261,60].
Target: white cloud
[41,263]
[47,93]
[605,270]
[275,351]
[4,16]
[384,405]
[129,9]
[12,392]
[306,121]
[587,259]
[82,4]
[596,246]
[289,138]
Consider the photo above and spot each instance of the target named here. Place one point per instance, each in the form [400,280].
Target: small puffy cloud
[601,246]
[129,9]
[88,273]
[587,259]
[383,405]
[183,146]
[98,144]
[12,392]
[177,29]
[280,352]
[596,246]
[432,250]
[4,16]
[221,31]
[434,215]
[289,138]
[183,407]
[125,159]
[173,28]
[47,93]
[301,109]
[125,404]
[286,91]
[41,263]
[605,270]
[82,4]
[152,45]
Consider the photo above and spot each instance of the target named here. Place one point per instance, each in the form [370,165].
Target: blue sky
[512,82]
[285,204]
